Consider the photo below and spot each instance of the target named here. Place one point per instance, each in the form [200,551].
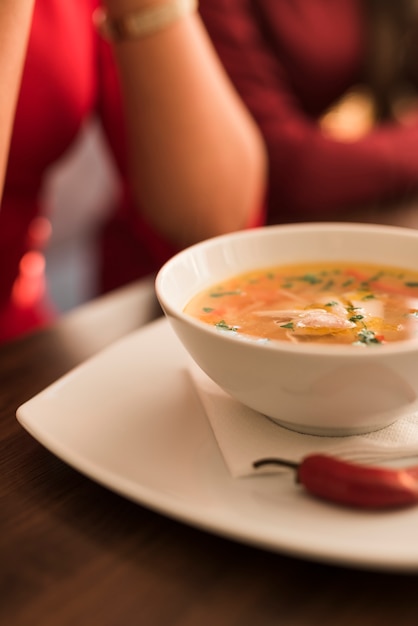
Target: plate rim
[184,511]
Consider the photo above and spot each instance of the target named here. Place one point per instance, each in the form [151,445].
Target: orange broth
[343,303]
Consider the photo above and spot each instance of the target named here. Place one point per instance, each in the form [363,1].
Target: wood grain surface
[74,553]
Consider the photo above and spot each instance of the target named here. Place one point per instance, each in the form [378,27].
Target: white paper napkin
[244,435]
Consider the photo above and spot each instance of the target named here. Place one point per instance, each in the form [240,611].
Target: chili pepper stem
[351,484]
[274,461]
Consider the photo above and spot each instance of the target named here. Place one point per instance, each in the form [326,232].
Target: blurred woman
[332,86]
[190,158]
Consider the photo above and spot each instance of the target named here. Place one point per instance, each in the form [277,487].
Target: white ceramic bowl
[319,389]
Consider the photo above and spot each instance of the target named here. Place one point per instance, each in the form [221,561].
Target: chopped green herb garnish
[376,277]
[369,296]
[331,303]
[288,325]
[367,337]
[207,309]
[328,285]
[356,318]
[411,284]
[220,294]
[224,326]
[312,279]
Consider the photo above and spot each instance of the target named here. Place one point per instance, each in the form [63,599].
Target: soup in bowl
[314,325]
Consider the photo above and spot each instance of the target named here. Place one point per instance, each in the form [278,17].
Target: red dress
[69,76]
[290,60]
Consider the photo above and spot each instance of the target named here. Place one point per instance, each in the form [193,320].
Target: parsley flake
[220,294]
[224,326]
[288,325]
[367,337]
[356,318]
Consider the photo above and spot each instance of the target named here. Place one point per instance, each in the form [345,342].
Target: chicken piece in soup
[334,303]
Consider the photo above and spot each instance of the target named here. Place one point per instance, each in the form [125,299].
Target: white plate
[129,419]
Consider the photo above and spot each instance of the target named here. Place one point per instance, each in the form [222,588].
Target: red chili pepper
[352,484]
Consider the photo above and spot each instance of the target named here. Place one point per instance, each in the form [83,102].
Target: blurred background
[78,195]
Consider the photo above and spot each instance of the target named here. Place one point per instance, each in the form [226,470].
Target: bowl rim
[266,230]
[319,350]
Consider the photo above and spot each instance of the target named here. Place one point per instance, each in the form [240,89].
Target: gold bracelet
[143,22]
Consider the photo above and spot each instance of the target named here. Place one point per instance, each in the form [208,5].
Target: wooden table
[74,553]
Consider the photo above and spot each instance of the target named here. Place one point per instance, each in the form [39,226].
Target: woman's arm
[15,20]
[312,176]
[197,158]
